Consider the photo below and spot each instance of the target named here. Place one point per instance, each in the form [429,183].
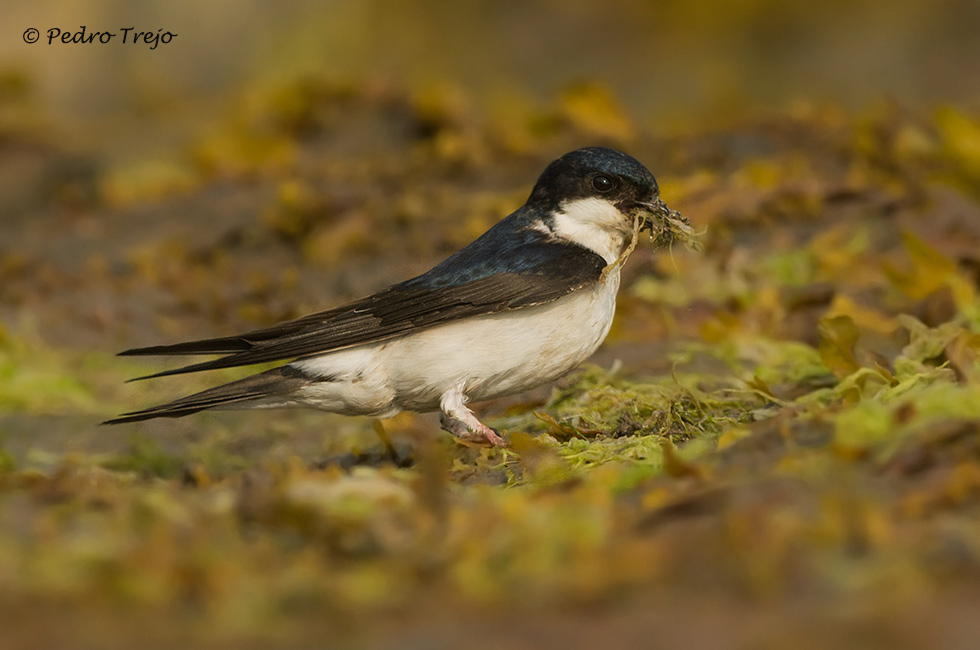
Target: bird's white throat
[594,223]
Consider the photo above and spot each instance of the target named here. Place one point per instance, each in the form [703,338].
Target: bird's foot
[474,432]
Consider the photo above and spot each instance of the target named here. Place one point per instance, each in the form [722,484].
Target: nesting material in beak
[667,226]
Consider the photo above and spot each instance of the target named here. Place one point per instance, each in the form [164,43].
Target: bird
[522,305]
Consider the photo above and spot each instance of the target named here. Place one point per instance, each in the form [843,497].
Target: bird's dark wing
[531,272]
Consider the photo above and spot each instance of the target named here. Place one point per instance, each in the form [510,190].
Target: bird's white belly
[490,356]
[503,353]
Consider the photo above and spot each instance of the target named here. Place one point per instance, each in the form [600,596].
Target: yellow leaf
[930,270]
[960,137]
[676,465]
[838,336]
[866,318]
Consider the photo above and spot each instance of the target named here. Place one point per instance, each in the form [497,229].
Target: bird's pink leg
[462,423]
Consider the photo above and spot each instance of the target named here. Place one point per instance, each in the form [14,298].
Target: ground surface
[778,445]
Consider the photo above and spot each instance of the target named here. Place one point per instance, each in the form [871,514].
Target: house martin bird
[522,305]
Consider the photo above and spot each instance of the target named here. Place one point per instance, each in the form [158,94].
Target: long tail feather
[277,382]
[204,346]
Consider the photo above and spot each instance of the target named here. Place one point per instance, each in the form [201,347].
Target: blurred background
[666,61]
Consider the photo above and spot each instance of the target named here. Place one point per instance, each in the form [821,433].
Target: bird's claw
[472,434]
[487,436]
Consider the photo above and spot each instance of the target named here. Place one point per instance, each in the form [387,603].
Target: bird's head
[592,197]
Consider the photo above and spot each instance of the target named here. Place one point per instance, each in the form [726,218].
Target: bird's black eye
[602,184]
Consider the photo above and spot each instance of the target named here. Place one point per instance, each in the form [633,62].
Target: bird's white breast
[503,353]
